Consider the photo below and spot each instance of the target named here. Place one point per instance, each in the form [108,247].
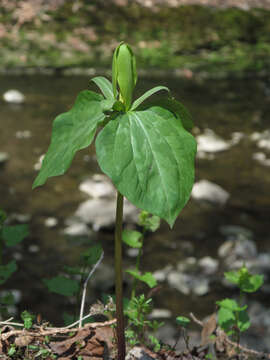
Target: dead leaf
[23,340]
[61,347]
[208,328]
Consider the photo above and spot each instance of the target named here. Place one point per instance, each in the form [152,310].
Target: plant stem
[120,329]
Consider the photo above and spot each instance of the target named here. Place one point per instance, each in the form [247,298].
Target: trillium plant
[145,147]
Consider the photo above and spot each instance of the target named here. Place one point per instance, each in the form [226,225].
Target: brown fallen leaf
[208,328]
[23,340]
[61,347]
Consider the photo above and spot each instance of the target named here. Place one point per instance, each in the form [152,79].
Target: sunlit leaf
[150,158]
[104,85]
[132,238]
[182,321]
[146,95]
[147,278]
[72,131]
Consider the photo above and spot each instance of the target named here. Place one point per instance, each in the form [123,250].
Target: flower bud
[124,75]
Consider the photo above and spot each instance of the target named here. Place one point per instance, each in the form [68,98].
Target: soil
[95,341]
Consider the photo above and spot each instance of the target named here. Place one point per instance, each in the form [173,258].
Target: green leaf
[105,86]
[146,95]
[182,321]
[226,319]
[244,280]
[92,255]
[62,285]
[132,238]
[177,108]
[27,319]
[72,131]
[7,270]
[148,221]
[231,305]
[150,158]
[243,321]
[13,235]
[147,278]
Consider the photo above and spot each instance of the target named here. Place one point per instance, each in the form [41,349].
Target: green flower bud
[124,75]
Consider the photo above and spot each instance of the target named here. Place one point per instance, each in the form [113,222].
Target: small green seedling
[232,316]
[27,319]
[137,311]
[145,147]
[183,322]
[244,280]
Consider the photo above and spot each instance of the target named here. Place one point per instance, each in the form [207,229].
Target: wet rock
[261,158]
[98,186]
[100,213]
[205,190]
[14,96]
[235,252]
[132,252]
[33,248]
[208,265]
[23,134]
[3,158]
[161,275]
[188,284]
[211,143]
[262,139]
[160,314]
[51,222]
[77,229]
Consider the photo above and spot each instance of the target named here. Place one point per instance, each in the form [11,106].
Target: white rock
[3,157]
[262,139]
[210,142]
[132,252]
[161,275]
[101,212]
[208,264]
[208,191]
[13,96]
[261,158]
[160,314]
[51,222]
[188,283]
[33,248]
[98,186]
[23,134]
[77,229]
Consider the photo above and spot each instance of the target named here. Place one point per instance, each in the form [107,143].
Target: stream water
[225,106]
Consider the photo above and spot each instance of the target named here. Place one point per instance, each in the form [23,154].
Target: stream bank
[58,35]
